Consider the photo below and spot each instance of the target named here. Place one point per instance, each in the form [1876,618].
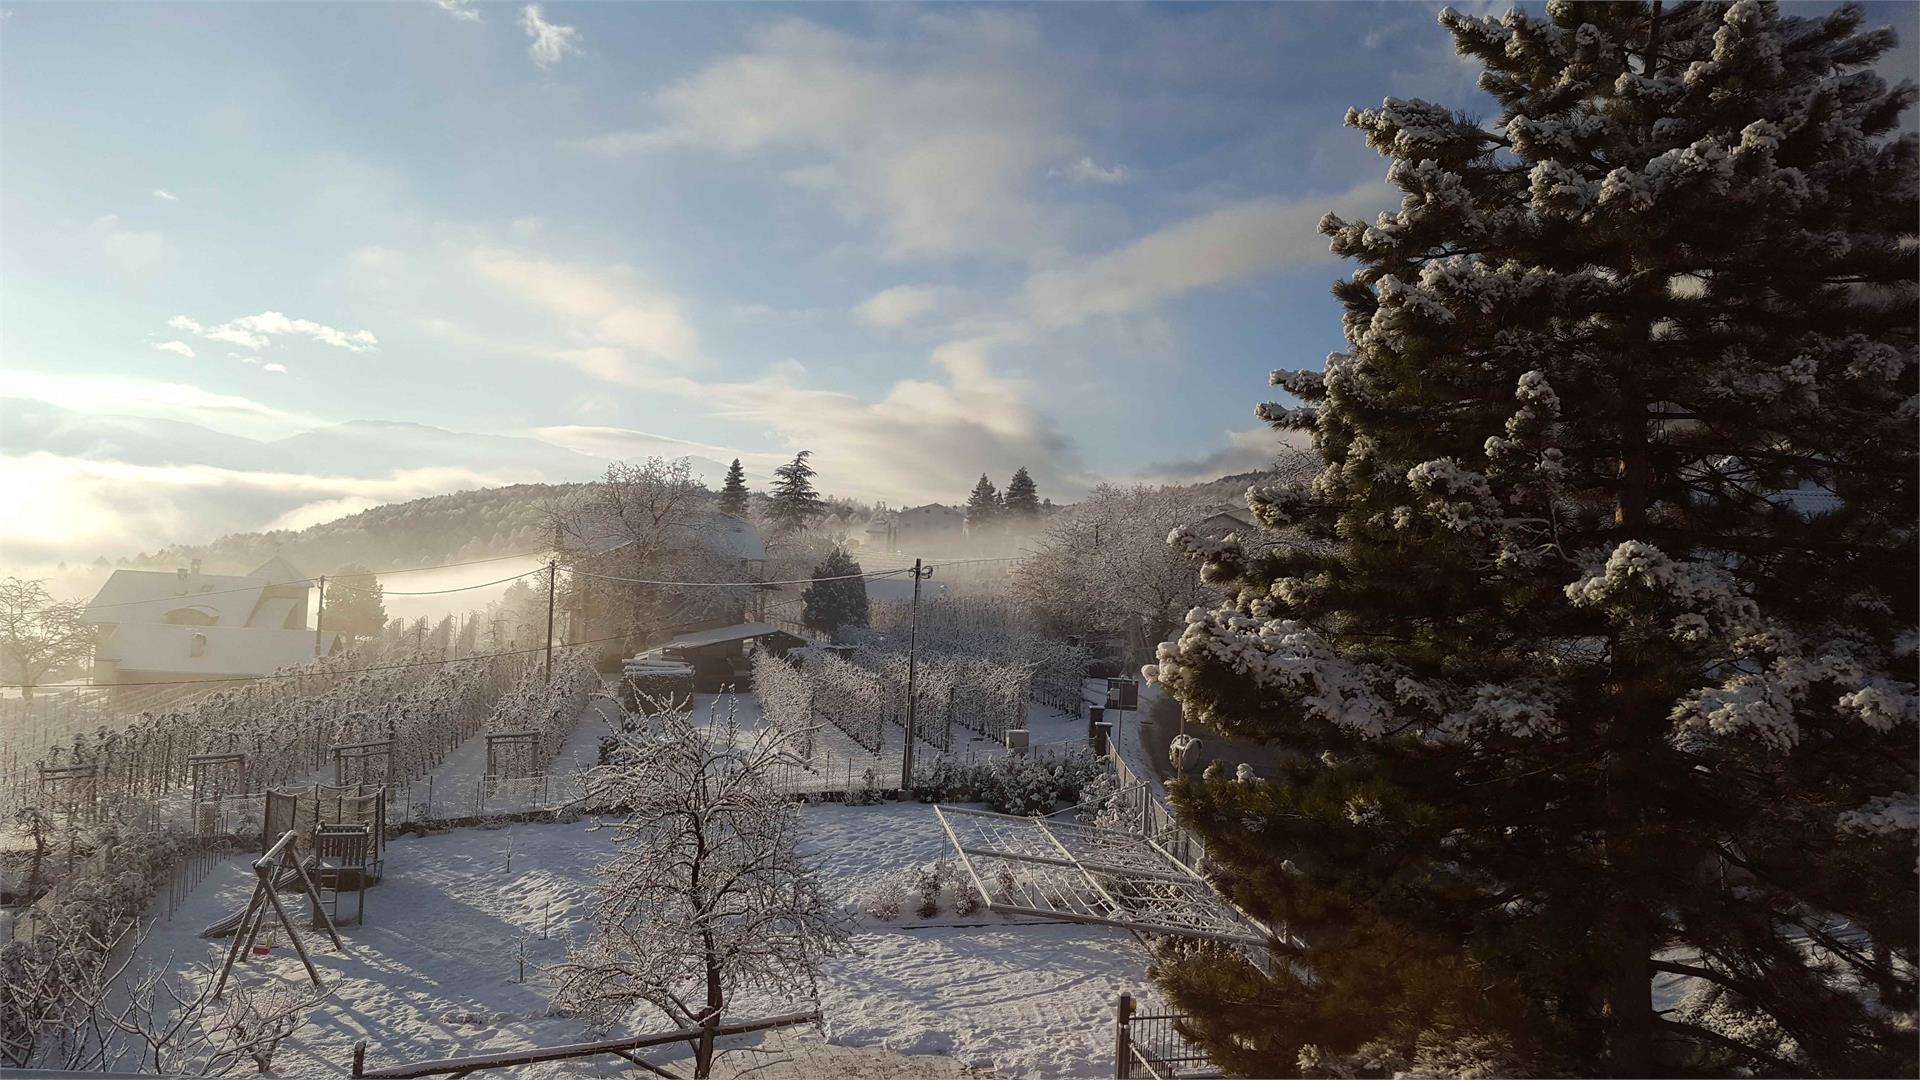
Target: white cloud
[459,9]
[924,439]
[178,348]
[280,369]
[940,136]
[256,331]
[1243,238]
[548,43]
[1085,170]
[1249,450]
[164,195]
[133,249]
[615,328]
[150,398]
[901,304]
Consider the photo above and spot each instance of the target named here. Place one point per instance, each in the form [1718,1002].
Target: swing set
[281,863]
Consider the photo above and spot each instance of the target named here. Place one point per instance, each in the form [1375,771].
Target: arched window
[197,615]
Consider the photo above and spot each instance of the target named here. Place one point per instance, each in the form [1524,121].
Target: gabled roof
[226,650]
[145,596]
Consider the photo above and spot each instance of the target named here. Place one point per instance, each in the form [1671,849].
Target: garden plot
[435,971]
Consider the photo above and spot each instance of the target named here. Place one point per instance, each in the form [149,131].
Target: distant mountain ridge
[438,529]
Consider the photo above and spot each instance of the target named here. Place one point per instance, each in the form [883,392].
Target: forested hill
[440,529]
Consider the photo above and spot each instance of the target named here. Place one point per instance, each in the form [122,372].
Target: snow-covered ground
[434,971]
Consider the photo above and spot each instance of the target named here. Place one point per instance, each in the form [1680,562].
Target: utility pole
[319,614]
[913,641]
[553,570]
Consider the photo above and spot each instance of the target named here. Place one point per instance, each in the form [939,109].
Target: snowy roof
[131,596]
[718,636]
[932,509]
[223,650]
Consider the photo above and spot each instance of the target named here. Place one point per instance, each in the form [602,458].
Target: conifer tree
[984,508]
[1022,499]
[355,603]
[733,491]
[837,597]
[1593,646]
[793,502]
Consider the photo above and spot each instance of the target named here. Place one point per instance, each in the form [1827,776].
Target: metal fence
[1153,1045]
[1151,817]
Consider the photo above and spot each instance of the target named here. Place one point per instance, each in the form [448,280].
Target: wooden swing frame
[282,856]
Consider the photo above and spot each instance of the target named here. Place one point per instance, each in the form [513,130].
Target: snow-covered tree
[837,597]
[1601,670]
[38,634]
[707,894]
[1103,567]
[792,502]
[733,491]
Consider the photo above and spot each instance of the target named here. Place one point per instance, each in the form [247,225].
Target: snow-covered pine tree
[984,509]
[733,491]
[836,598]
[1597,660]
[792,501]
[1022,500]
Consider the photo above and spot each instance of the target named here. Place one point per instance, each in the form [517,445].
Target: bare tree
[1103,566]
[707,893]
[645,523]
[39,634]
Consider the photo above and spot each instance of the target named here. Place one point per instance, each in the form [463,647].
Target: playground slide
[287,877]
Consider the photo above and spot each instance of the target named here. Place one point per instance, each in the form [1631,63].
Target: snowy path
[434,971]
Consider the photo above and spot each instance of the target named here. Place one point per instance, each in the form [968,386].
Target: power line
[736,584]
[464,588]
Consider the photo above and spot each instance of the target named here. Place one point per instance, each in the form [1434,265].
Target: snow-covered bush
[884,899]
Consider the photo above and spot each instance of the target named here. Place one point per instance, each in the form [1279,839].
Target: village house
[155,626]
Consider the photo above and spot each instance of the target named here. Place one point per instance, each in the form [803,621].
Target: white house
[928,528]
[159,627]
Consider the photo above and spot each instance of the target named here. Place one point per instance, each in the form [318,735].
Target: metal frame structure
[362,752]
[1083,873]
[522,747]
[197,767]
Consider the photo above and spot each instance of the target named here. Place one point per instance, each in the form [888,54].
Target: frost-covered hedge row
[551,709]
[989,630]
[287,727]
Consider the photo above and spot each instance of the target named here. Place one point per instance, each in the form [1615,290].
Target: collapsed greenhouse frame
[1085,873]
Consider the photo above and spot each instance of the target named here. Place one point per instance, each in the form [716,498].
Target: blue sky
[924,242]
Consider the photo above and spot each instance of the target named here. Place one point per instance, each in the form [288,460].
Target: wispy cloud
[548,43]
[257,331]
[460,9]
[940,137]
[901,304]
[178,348]
[1085,170]
[164,195]
[1233,241]
[279,369]
[613,327]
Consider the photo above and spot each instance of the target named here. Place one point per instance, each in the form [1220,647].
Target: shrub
[884,899]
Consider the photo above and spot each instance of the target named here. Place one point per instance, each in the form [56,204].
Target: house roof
[229,650]
[930,508]
[145,596]
[720,635]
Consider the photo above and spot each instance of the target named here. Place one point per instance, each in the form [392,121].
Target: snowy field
[434,971]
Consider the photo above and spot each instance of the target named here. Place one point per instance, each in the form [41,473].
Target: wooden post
[360,1058]
[1122,1047]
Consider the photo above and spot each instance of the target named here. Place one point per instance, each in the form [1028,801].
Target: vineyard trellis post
[913,631]
[319,614]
